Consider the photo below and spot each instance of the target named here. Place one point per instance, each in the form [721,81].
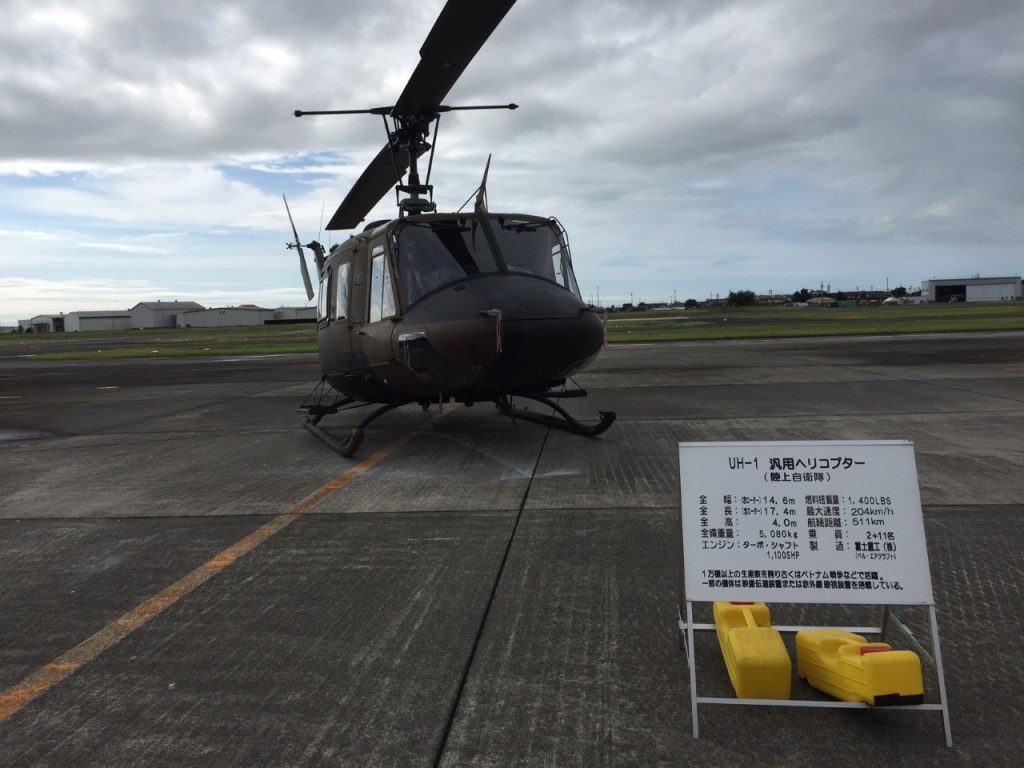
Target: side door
[326,344]
[341,312]
[334,314]
[354,322]
[381,307]
[381,303]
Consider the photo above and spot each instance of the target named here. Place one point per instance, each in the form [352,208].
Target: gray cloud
[730,132]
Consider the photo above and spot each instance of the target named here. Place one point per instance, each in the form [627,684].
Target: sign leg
[941,675]
[691,658]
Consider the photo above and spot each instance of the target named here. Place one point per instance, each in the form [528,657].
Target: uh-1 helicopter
[440,307]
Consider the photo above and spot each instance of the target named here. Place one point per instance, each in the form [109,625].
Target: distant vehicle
[438,307]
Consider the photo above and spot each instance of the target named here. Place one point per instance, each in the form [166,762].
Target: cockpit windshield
[433,254]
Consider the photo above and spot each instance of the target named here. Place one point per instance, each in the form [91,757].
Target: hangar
[166,314]
[972,289]
[159,314]
[247,314]
[294,315]
[223,316]
[97,321]
[47,323]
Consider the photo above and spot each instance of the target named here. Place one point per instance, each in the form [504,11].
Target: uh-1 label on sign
[803,522]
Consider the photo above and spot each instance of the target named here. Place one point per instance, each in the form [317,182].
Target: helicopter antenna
[481,196]
[458,34]
[480,193]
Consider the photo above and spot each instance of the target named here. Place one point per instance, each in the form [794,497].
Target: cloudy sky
[690,147]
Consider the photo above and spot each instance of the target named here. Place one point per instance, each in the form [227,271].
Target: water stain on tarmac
[11,435]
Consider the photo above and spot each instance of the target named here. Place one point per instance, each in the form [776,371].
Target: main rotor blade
[302,256]
[377,180]
[459,32]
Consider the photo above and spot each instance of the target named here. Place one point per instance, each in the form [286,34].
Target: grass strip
[121,353]
[706,324]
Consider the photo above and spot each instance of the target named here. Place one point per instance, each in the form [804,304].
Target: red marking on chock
[864,649]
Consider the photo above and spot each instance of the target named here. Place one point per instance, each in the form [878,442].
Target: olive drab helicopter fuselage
[441,307]
[430,305]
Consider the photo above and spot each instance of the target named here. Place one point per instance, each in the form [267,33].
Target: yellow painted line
[44,678]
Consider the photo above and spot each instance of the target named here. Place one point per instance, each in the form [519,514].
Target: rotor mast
[407,138]
[412,136]
[460,30]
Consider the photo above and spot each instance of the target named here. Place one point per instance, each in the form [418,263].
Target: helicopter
[433,307]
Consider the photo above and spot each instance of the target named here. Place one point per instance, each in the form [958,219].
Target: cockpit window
[526,247]
[341,305]
[536,248]
[562,264]
[324,303]
[433,254]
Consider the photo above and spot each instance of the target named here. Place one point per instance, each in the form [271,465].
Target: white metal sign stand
[804,522]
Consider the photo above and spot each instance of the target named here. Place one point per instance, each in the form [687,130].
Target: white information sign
[803,522]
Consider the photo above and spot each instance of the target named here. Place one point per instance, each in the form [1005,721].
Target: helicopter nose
[550,348]
[500,334]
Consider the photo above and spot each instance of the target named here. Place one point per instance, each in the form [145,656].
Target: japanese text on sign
[803,522]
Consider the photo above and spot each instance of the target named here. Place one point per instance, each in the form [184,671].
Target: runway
[188,577]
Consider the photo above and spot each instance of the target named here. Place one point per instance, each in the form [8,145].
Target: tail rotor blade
[291,221]
[305,275]
[302,256]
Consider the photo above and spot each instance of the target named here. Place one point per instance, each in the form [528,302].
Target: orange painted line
[46,677]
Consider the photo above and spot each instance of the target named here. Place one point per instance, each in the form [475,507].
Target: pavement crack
[937,383]
[460,690]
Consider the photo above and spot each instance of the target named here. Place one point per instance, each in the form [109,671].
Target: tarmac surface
[187,577]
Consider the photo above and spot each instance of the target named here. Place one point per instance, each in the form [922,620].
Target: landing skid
[351,445]
[563,420]
[315,411]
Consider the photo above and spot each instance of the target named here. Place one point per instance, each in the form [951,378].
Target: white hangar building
[45,324]
[97,321]
[223,316]
[159,314]
[295,315]
[972,289]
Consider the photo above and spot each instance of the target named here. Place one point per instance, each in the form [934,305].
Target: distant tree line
[741,298]
[749,299]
